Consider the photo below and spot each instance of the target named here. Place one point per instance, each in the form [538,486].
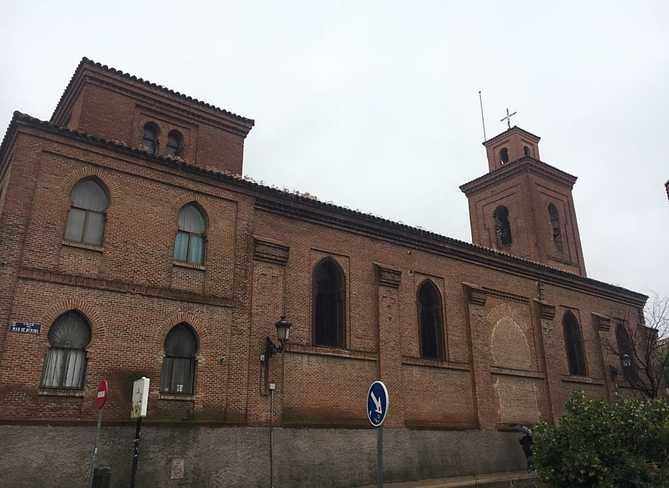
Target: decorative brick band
[270,251]
[122,287]
[474,294]
[602,322]
[388,276]
[546,310]
[505,295]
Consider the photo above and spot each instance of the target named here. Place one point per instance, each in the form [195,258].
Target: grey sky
[373,105]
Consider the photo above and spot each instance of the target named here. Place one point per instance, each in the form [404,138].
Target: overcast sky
[373,105]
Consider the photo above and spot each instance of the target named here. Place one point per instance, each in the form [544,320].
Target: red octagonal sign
[101,397]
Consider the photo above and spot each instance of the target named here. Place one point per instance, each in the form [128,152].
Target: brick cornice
[270,251]
[602,322]
[546,310]
[388,276]
[474,294]
[509,132]
[525,165]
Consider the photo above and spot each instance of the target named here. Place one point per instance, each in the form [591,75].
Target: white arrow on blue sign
[378,403]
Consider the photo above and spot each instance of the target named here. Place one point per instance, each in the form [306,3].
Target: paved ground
[492,480]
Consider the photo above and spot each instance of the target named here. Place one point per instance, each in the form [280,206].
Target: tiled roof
[287,197]
[88,62]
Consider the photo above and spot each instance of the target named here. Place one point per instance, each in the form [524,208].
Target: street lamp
[282,332]
[627,361]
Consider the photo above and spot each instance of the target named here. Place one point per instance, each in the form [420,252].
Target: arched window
[190,241]
[151,138]
[178,372]
[556,230]
[430,321]
[526,150]
[504,155]
[86,219]
[65,363]
[502,227]
[329,291]
[175,142]
[574,344]
[626,352]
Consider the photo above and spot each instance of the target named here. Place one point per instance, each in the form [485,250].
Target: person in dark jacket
[526,444]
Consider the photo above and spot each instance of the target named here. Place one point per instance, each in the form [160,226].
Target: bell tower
[524,206]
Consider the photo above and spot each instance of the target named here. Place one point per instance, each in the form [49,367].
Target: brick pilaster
[484,397]
[551,360]
[270,259]
[602,325]
[389,349]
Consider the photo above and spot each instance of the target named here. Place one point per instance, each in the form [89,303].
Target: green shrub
[605,445]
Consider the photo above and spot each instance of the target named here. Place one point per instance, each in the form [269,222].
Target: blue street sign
[378,403]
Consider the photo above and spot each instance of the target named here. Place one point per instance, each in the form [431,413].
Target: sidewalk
[492,480]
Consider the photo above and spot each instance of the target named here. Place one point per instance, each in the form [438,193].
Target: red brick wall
[117,109]
[504,363]
[527,197]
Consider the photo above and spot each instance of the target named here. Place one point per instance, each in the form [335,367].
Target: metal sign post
[100,400]
[140,401]
[378,403]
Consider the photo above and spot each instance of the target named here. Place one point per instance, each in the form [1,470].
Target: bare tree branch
[642,344]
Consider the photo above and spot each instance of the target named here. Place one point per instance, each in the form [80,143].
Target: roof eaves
[513,168]
[108,69]
[504,134]
[310,201]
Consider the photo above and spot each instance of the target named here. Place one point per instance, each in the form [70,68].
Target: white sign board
[140,397]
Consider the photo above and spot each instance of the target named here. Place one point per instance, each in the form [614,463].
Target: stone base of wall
[222,457]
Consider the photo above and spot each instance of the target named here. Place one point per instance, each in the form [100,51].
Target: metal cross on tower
[508,118]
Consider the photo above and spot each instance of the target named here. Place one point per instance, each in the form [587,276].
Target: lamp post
[282,333]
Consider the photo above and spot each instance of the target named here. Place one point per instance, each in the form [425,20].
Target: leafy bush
[605,445]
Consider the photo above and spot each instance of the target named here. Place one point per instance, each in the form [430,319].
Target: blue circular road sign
[378,403]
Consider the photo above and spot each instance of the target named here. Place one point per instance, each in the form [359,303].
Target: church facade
[132,246]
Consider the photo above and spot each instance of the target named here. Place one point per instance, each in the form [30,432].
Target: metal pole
[95,449]
[135,452]
[379,457]
[482,117]
[271,460]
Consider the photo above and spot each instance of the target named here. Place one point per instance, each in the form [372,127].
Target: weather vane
[508,118]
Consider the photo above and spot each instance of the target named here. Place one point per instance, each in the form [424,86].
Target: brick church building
[131,245]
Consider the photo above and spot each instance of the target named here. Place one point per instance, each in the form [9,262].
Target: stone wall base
[226,457]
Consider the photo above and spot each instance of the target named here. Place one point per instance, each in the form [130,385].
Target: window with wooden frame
[189,246]
[178,372]
[87,216]
[65,362]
